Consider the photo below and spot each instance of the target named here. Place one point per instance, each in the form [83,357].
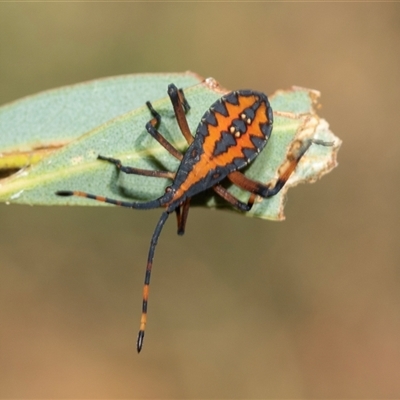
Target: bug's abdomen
[230,135]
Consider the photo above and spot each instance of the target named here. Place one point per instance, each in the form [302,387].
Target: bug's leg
[152,128]
[185,103]
[153,244]
[251,200]
[181,107]
[296,152]
[230,198]
[137,205]
[137,171]
[182,213]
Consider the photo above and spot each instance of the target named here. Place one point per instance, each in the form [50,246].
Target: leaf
[37,125]
[75,166]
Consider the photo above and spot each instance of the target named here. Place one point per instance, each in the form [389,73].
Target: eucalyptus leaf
[75,166]
[32,127]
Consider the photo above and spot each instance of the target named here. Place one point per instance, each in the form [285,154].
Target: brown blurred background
[239,308]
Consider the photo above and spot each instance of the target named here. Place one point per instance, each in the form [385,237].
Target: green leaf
[34,126]
[75,166]
[66,113]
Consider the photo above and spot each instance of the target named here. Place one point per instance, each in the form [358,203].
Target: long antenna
[153,244]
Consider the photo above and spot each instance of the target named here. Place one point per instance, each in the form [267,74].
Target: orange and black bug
[229,136]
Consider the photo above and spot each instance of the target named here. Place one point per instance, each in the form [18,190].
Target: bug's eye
[168,189]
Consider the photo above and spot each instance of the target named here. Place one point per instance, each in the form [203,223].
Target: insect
[230,135]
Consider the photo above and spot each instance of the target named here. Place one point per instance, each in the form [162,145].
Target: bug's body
[230,135]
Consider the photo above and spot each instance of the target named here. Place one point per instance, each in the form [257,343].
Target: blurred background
[239,308]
